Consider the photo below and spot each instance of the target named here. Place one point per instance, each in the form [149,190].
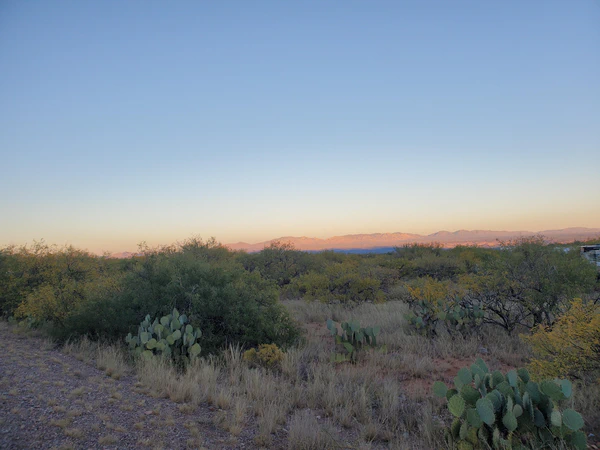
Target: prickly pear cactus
[458,316]
[462,317]
[493,410]
[170,336]
[424,317]
[352,339]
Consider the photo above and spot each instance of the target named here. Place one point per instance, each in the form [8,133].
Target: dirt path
[51,400]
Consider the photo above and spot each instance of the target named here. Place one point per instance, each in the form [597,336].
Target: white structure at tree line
[591,252]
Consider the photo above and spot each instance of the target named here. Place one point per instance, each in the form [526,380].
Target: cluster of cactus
[493,410]
[458,316]
[171,336]
[268,356]
[351,339]
[462,317]
[424,317]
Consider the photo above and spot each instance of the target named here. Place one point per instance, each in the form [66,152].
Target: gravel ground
[51,400]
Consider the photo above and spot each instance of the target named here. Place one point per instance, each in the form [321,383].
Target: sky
[123,122]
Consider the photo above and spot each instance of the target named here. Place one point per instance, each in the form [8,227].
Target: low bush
[227,303]
[268,356]
[219,297]
[280,262]
[338,283]
[571,347]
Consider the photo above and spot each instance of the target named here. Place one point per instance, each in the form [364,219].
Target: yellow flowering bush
[571,347]
[429,290]
[268,356]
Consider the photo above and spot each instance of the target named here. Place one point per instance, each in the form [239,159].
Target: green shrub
[527,283]
[438,267]
[493,410]
[51,283]
[280,262]
[344,282]
[416,250]
[11,281]
[226,302]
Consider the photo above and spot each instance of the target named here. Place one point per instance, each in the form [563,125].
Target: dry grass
[77,392]
[163,379]
[66,447]
[74,413]
[585,401]
[116,395]
[61,423]
[223,398]
[239,411]
[382,401]
[352,396]
[305,433]
[83,349]
[112,361]
[108,439]
[186,408]
[75,433]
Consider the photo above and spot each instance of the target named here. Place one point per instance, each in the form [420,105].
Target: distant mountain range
[384,242]
[123,255]
[361,243]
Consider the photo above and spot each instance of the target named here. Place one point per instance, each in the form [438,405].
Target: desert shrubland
[335,349]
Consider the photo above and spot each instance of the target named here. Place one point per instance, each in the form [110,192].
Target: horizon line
[415,234]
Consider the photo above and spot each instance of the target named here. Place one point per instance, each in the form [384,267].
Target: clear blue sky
[125,121]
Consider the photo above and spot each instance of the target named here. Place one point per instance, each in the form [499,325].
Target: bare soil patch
[51,400]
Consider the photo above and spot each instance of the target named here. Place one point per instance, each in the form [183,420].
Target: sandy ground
[51,400]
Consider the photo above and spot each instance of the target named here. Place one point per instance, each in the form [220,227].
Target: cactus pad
[485,408]
[510,421]
[457,406]
[572,419]
[440,389]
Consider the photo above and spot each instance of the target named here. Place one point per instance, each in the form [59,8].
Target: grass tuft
[108,439]
[112,361]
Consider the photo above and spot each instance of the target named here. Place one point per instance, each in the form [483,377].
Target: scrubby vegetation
[75,294]
[571,347]
[243,329]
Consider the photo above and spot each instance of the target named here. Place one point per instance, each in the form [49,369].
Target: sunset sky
[130,121]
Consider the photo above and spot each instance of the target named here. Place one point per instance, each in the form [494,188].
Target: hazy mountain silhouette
[356,242]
